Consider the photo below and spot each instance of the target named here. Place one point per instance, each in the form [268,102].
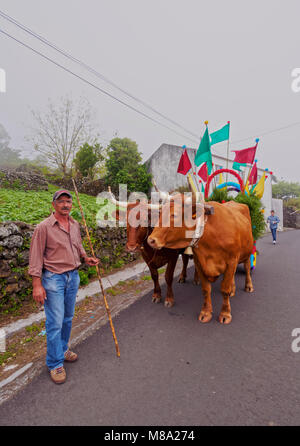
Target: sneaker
[274,242]
[70,356]
[58,375]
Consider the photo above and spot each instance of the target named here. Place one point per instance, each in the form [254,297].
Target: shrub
[254,204]
[84,278]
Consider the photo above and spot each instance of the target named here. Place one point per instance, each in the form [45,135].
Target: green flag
[220,135]
[236,166]
[203,153]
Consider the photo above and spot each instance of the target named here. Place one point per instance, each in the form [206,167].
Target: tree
[8,156]
[61,130]
[88,158]
[124,166]
[285,190]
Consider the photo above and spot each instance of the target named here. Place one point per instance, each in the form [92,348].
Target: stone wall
[83,185]
[11,178]
[15,238]
[291,219]
[29,178]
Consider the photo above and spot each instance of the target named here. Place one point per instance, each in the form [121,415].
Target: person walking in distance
[273,220]
[54,258]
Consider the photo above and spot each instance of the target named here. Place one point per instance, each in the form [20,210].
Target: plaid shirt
[54,248]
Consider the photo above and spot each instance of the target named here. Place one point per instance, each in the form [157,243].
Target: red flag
[203,172]
[245,156]
[184,164]
[253,175]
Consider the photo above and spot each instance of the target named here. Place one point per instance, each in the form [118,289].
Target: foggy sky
[193,60]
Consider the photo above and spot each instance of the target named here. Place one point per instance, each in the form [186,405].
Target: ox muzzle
[154,242]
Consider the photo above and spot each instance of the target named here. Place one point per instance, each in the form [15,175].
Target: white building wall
[164,162]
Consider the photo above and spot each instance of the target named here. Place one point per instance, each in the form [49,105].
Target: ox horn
[208,209]
[122,204]
[164,196]
[125,203]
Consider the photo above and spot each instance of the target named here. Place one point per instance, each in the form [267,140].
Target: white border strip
[15,375]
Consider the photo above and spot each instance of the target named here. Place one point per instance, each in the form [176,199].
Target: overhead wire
[93,71]
[95,86]
[104,78]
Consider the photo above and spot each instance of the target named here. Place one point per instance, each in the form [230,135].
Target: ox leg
[196,280]
[156,298]
[226,289]
[169,302]
[185,261]
[207,309]
[248,285]
[232,294]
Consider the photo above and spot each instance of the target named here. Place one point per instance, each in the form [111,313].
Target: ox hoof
[249,288]
[232,294]
[205,317]
[225,318]
[156,299]
[181,280]
[196,282]
[169,303]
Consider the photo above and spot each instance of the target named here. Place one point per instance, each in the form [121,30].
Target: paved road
[174,370]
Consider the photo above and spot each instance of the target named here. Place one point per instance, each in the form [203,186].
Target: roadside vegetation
[255,208]
[33,206]
[289,192]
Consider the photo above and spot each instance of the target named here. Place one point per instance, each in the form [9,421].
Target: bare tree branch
[61,130]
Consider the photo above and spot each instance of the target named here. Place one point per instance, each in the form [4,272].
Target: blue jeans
[61,291]
[274,233]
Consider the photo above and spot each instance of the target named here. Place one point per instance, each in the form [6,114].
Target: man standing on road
[55,252]
[273,220]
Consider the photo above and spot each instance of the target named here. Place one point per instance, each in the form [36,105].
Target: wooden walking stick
[98,273]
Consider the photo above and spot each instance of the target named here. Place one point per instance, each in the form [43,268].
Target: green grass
[161,270]
[34,206]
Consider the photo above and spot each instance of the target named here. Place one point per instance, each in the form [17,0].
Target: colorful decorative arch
[218,172]
[238,187]
[231,186]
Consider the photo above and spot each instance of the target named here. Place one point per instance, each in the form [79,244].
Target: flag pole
[249,173]
[98,272]
[251,165]
[227,157]
[213,164]
[194,171]
[196,178]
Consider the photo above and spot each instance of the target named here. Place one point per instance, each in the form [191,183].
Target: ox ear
[209,210]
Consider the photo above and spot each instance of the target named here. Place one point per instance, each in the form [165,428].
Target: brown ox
[155,259]
[226,241]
